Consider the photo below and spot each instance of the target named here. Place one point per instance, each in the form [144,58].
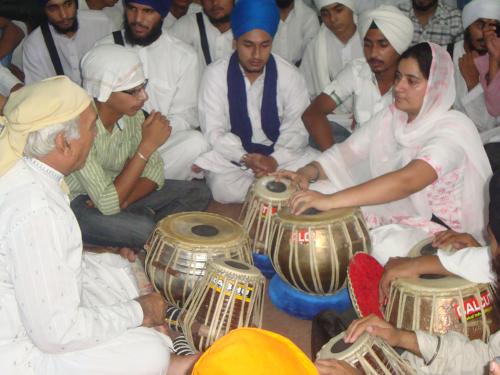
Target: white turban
[480,9]
[396,27]
[351,4]
[110,68]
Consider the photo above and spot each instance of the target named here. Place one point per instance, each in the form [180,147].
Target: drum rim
[259,189]
[415,250]
[219,265]
[424,285]
[322,218]
[326,352]
[237,237]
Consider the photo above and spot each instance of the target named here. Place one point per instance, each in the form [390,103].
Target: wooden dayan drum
[183,243]
[369,355]
[231,295]
[265,197]
[312,251]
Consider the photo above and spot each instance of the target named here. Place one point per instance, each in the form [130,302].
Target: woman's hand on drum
[375,326]
[298,181]
[334,367]
[302,200]
[395,268]
[454,239]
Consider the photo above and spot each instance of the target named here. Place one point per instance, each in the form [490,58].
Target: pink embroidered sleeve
[491,91]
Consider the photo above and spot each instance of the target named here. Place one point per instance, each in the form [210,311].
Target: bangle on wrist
[316,178]
[142,156]
[438,346]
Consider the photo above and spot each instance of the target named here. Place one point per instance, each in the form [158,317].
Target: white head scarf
[394,143]
[396,27]
[480,9]
[110,68]
[351,4]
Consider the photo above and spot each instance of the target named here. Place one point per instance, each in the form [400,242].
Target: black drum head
[276,186]
[340,346]
[237,265]
[311,211]
[204,230]
[428,250]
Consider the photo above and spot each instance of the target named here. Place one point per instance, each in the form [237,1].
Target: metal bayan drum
[369,355]
[264,199]
[438,304]
[312,251]
[183,243]
[231,295]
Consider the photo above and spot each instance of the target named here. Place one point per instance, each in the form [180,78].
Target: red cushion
[363,277]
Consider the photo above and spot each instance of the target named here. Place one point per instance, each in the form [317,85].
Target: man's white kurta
[92,26]
[472,102]
[114,13]
[220,44]
[7,81]
[227,181]
[172,69]
[357,81]
[61,313]
[170,19]
[296,32]
[324,58]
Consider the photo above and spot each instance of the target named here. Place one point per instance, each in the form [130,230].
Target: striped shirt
[443,28]
[106,160]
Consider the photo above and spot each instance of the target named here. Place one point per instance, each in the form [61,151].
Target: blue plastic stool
[303,305]
[263,263]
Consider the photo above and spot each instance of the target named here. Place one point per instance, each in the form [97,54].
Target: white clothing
[472,263]
[457,354]
[472,102]
[172,90]
[7,81]
[93,25]
[295,32]
[220,44]
[17,54]
[226,180]
[446,140]
[324,58]
[114,13]
[61,313]
[170,19]
[358,81]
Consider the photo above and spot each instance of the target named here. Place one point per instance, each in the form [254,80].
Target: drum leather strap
[203,38]
[438,346]
[51,47]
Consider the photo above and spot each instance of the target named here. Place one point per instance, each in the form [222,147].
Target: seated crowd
[116,114]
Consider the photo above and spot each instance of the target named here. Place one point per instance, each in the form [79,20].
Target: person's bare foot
[182,364]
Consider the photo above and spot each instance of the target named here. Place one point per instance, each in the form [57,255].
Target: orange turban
[253,351]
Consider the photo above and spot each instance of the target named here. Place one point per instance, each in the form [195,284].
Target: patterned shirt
[443,28]
[106,159]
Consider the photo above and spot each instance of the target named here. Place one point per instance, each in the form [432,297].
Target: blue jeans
[340,134]
[132,226]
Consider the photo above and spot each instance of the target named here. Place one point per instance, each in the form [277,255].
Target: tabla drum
[231,295]
[312,250]
[438,305]
[369,355]
[425,247]
[264,199]
[183,243]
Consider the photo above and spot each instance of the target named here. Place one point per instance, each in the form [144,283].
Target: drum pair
[201,263]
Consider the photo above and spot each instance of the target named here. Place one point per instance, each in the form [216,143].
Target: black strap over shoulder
[203,37]
[51,47]
[450,47]
[118,37]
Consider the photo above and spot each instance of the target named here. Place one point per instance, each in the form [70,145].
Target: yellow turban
[34,107]
[253,351]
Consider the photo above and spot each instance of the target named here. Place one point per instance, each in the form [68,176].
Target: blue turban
[248,15]
[161,6]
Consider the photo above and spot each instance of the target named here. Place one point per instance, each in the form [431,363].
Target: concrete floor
[297,330]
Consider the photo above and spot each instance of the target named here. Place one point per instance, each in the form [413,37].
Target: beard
[470,44]
[72,29]
[283,4]
[221,20]
[154,34]
[424,8]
